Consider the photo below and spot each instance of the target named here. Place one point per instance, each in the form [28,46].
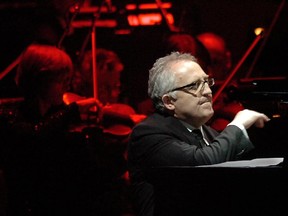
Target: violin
[115,119]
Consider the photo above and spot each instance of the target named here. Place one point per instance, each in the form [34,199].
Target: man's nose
[205,89]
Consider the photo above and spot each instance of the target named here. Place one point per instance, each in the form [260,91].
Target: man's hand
[248,118]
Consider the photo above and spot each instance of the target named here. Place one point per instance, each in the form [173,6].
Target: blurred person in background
[116,121]
[47,168]
[108,71]
[109,68]
[220,55]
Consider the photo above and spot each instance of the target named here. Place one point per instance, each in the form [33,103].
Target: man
[180,91]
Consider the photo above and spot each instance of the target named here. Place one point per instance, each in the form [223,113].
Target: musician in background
[226,106]
[109,68]
[116,121]
[108,85]
[47,168]
[221,61]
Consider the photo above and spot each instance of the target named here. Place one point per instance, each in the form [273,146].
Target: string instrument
[106,129]
[115,119]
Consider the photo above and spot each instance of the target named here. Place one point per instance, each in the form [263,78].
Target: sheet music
[258,162]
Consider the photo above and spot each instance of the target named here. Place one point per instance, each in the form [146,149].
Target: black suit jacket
[162,140]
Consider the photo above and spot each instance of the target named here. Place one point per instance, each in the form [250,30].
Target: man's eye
[193,86]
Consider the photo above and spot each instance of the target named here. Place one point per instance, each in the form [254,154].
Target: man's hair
[162,77]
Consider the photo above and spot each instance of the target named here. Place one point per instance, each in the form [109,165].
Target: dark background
[235,20]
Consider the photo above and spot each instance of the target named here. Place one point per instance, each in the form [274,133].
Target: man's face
[192,105]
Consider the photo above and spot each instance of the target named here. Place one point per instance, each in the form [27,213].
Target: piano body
[270,96]
[225,191]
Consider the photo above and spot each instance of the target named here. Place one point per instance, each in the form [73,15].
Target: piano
[225,191]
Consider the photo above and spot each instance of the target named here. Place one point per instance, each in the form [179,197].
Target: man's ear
[168,102]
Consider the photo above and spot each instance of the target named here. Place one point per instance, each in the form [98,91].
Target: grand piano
[225,191]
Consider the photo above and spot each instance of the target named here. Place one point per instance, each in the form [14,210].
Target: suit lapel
[180,131]
[210,133]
